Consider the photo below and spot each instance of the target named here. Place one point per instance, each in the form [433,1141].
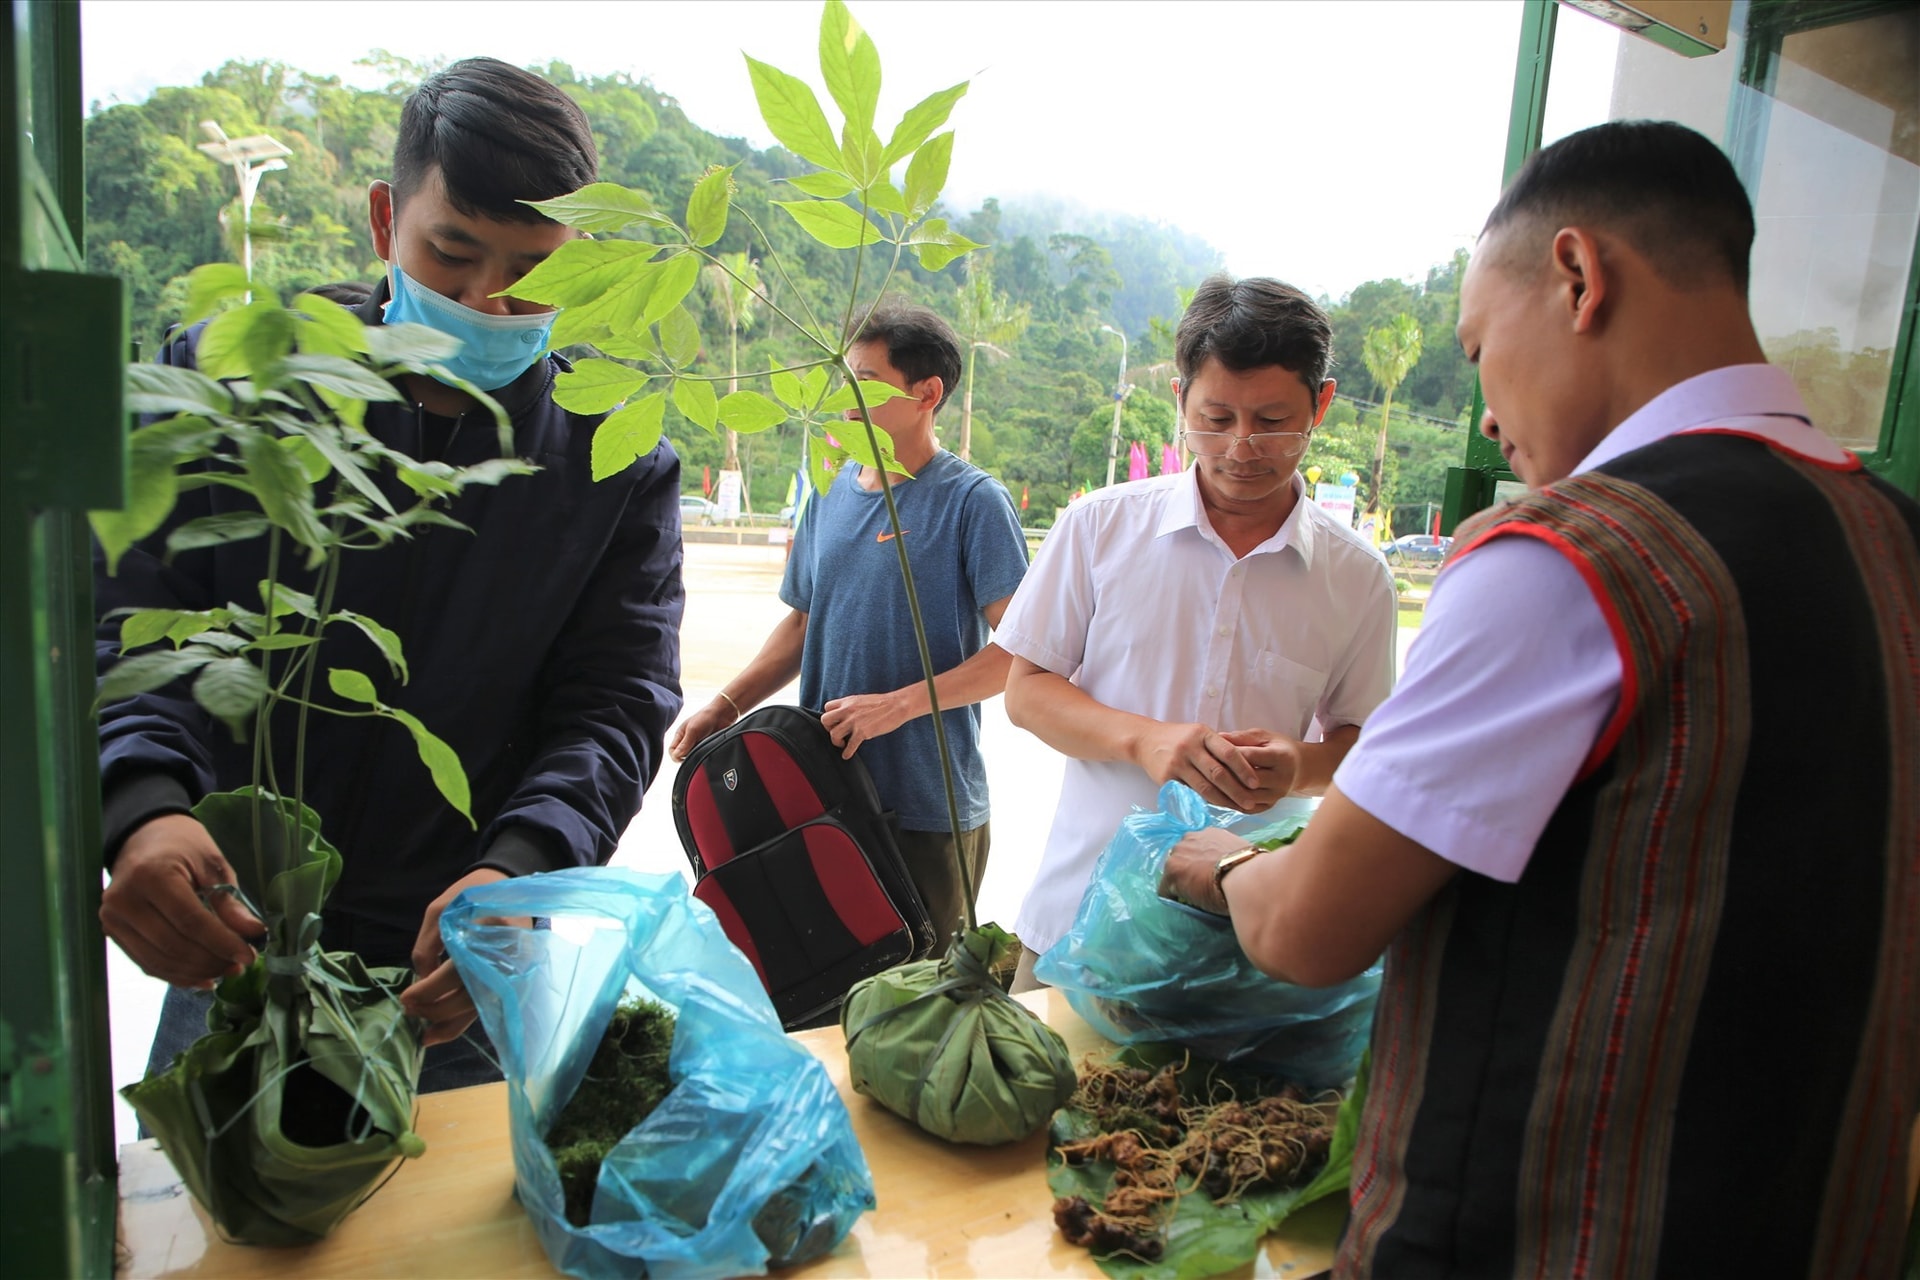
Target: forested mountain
[1042,403]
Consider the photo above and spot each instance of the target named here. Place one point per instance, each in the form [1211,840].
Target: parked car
[695,509]
[1418,548]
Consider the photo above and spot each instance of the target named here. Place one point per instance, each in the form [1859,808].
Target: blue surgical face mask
[494,350]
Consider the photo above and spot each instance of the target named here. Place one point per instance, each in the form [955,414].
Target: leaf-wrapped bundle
[939,1043]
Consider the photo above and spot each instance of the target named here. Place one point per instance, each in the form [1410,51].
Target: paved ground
[732,603]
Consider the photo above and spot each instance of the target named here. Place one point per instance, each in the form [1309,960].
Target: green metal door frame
[1470,487]
[63,341]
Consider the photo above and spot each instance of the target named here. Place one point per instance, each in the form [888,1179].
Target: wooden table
[944,1210]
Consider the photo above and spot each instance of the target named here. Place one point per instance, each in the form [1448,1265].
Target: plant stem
[920,639]
[782,267]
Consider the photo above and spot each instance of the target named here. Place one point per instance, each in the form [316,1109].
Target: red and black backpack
[791,848]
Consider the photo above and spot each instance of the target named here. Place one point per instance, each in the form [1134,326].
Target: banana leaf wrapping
[298,1101]
[939,1043]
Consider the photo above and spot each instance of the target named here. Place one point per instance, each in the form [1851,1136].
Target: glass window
[1823,123]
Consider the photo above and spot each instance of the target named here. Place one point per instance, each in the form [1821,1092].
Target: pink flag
[1136,461]
[1169,460]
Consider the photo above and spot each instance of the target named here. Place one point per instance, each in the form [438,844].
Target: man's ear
[380,217]
[1327,389]
[1580,277]
[929,391]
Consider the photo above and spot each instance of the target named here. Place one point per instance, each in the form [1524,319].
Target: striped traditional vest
[1687,1042]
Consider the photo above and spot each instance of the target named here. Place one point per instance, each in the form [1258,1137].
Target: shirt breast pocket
[1285,690]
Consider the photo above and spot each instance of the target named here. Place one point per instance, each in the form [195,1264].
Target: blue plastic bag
[1141,969]
[749,1160]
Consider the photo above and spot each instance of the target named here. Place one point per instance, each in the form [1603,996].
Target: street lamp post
[1119,399]
[249,157]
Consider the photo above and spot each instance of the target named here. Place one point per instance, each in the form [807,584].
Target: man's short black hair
[1254,324]
[1668,191]
[919,344]
[497,135]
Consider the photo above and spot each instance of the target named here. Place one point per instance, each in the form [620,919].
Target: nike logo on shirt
[887,537]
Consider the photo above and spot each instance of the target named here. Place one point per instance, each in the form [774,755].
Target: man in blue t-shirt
[849,637]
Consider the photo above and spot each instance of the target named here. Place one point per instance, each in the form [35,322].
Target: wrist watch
[1228,863]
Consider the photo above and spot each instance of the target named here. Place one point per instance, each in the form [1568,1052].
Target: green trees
[989,319]
[153,215]
[1390,351]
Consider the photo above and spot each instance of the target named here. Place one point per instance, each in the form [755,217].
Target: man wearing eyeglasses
[1201,627]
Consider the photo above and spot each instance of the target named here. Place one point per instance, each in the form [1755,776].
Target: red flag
[1023,497]
[706,481]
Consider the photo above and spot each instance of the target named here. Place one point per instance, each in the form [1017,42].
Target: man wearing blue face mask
[543,645]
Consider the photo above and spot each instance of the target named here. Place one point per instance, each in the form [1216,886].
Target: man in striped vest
[1639,831]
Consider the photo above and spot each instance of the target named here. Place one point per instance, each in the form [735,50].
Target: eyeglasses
[1260,444]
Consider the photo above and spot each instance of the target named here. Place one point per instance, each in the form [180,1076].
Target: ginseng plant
[270,425]
[623,293]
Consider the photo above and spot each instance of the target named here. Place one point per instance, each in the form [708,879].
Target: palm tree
[739,305]
[989,319]
[1390,351]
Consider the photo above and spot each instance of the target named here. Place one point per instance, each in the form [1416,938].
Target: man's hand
[1275,758]
[437,994]
[1204,760]
[864,716]
[1188,874]
[700,726]
[159,910]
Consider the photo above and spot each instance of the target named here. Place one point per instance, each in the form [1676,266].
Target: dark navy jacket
[544,647]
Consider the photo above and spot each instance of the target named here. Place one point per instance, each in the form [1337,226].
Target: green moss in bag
[938,1042]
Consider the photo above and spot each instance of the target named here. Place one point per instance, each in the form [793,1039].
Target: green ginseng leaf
[145,672]
[884,197]
[874,393]
[793,115]
[935,245]
[597,386]
[749,411]
[823,462]
[582,271]
[282,489]
[927,173]
[230,690]
[214,531]
[827,184]
[670,287]
[442,762]
[707,206]
[286,600]
[601,207]
[152,488]
[313,464]
[343,460]
[850,64]
[680,336]
[861,149]
[210,285]
[920,122]
[696,400]
[246,342]
[628,435]
[854,440]
[409,346]
[142,627]
[160,388]
[383,639]
[329,328]
[354,686]
[339,374]
[788,386]
[833,224]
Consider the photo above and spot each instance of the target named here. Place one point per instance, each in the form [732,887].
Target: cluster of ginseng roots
[1163,1147]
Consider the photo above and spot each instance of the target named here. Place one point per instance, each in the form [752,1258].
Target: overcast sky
[1327,143]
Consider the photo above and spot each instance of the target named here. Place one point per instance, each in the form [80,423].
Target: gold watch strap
[1228,862]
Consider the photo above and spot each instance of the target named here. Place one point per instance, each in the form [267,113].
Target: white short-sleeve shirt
[1135,598]
[1515,673]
